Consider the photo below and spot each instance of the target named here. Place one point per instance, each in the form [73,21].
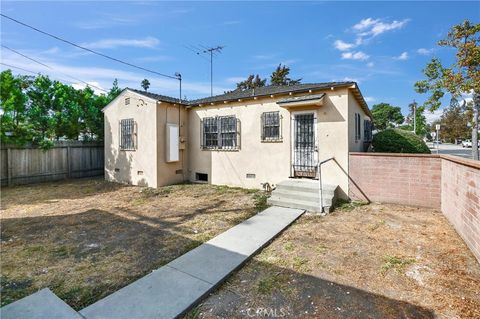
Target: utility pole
[413,107]
[476,107]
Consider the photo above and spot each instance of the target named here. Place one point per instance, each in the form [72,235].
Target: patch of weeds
[149,192]
[14,289]
[193,314]
[288,246]
[377,224]
[260,199]
[34,249]
[321,248]
[397,263]
[299,263]
[270,283]
[79,297]
[61,251]
[347,205]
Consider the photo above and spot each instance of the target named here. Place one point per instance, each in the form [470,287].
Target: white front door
[304,146]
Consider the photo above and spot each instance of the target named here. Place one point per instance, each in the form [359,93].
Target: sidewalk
[173,289]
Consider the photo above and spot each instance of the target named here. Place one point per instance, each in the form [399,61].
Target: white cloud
[365,24]
[424,51]
[403,56]
[343,46]
[370,64]
[148,42]
[432,117]
[355,56]
[369,99]
[375,27]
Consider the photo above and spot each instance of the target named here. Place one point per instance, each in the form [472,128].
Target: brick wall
[461,199]
[396,178]
[444,182]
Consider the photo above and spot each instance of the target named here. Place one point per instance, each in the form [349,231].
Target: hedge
[399,141]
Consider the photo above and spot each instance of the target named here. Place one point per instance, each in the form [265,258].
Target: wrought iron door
[304,146]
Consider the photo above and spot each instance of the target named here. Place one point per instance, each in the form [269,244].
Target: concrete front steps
[303,194]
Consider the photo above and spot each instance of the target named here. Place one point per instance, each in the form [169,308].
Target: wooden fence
[26,165]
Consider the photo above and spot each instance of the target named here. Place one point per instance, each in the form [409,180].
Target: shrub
[399,141]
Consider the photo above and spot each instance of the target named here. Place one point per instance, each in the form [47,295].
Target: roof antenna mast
[212,51]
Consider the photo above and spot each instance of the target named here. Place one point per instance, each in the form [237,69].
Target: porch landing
[304,194]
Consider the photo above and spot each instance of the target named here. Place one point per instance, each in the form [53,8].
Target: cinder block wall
[461,199]
[409,179]
[443,182]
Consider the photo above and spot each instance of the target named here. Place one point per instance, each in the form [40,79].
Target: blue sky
[381,45]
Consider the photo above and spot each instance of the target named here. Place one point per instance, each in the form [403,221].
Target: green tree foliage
[38,110]
[253,81]
[454,122]
[145,84]
[280,76]
[460,78]
[398,141]
[386,116]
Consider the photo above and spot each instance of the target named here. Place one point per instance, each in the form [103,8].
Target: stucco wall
[137,167]
[171,172]
[270,162]
[354,107]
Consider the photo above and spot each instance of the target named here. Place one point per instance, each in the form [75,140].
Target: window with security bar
[127,134]
[271,127]
[221,132]
[357,127]
[367,130]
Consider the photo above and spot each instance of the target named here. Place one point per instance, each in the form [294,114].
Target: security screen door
[304,145]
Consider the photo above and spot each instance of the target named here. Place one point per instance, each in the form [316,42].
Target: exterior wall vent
[201,177]
[179,171]
[117,169]
[251,176]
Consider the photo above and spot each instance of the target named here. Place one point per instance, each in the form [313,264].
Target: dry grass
[84,239]
[373,261]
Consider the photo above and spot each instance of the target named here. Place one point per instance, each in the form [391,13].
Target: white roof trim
[123,93]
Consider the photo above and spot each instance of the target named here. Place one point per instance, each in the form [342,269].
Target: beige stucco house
[241,138]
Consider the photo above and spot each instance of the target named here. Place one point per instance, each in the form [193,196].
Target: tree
[454,121]
[14,129]
[280,76]
[463,77]
[145,84]
[253,81]
[386,116]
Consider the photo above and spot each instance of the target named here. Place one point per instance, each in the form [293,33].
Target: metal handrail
[320,186]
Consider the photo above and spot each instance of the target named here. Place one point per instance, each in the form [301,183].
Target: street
[451,149]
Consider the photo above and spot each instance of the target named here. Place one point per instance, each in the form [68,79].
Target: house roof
[157,97]
[301,98]
[262,91]
[269,90]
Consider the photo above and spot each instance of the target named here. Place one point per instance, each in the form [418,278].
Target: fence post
[69,169]
[9,167]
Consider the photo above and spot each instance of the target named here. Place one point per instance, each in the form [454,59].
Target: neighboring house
[241,138]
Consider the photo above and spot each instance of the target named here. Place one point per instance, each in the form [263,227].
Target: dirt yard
[375,261]
[85,239]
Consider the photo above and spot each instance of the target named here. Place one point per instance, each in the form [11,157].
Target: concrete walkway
[171,290]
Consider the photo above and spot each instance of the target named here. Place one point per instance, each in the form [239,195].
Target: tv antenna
[212,51]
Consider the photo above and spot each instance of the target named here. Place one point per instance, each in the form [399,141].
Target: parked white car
[466,143]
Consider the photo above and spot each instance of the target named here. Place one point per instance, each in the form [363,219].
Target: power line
[16,67]
[87,49]
[51,68]
[30,71]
